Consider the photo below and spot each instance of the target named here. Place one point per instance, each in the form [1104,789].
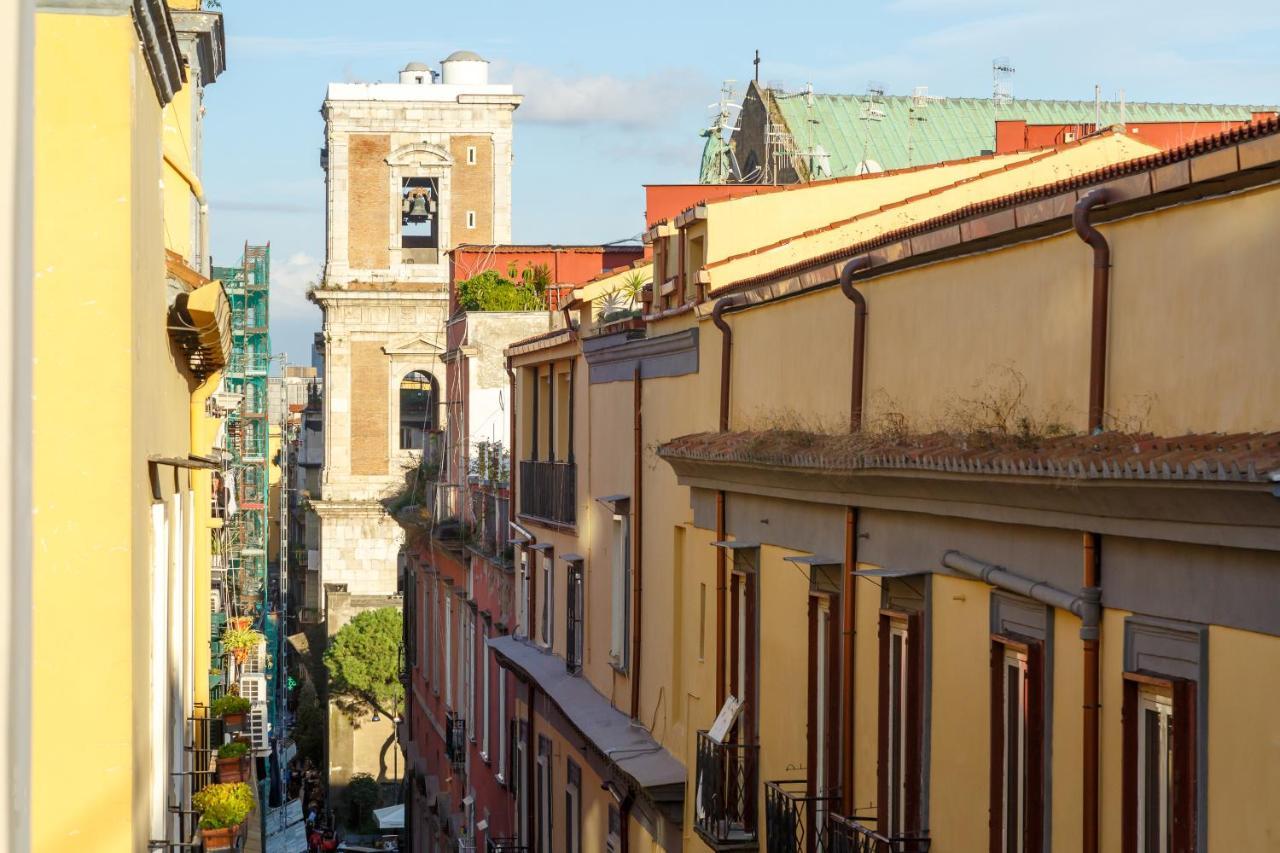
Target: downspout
[722,567]
[197,190]
[637,507]
[624,818]
[850,591]
[859,337]
[1101,287]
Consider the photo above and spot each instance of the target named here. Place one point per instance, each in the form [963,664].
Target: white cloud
[325,46]
[649,101]
[289,283]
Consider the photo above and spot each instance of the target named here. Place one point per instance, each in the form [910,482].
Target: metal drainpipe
[722,567]
[511,443]
[197,190]
[1101,287]
[859,336]
[637,506]
[851,526]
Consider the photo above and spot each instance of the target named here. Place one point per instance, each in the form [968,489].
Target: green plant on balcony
[230,706]
[223,806]
[235,749]
[239,641]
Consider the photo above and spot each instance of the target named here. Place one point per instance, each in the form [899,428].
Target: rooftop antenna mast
[872,111]
[1002,80]
[916,114]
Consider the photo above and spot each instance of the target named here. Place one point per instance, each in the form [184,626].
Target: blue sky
[615,94]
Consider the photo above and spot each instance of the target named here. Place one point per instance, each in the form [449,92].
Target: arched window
[418,398]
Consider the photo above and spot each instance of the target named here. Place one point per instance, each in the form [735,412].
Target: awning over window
[200,321]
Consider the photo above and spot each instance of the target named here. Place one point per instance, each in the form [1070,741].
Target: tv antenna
[1002,80]
[872,111]
[916,114]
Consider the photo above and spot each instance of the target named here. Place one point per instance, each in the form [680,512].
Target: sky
[616,94]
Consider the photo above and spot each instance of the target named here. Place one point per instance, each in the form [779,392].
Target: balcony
[549,491]
[506,845]
[725,810]
[853,835]
[796,822]
[455,745]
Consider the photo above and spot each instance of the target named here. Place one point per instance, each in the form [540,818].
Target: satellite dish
[868,167]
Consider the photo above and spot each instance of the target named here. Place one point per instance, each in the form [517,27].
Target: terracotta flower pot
[233,769]
[222,838]
[233,722]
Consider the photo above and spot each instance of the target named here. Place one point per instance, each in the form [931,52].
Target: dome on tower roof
[417,66]
[465,56]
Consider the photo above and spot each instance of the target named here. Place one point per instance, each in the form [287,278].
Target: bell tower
[412,169]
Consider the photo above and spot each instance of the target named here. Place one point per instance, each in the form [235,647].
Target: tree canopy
[363,659]
[489,291]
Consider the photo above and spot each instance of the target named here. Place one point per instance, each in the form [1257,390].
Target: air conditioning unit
[254,688]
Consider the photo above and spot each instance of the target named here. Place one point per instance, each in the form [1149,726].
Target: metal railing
[725,811]
[456,740]
[549,490]
[506,845]
[853,835]
[795,821]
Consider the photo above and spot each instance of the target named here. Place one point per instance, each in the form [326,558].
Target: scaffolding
[245,532]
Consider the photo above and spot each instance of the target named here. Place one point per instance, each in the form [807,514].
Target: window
[484,721]
[522,596]
[1160,764]
[424,662]
[621,592]
[502,725]
[448,649]
[545,632]
[901,725]
[466,667]
[471,219]
[743,639]
[418,399]
[613,841]
[573,617]
[520,778]
[572,808]
[471,155]
[1017,744]
[544,793]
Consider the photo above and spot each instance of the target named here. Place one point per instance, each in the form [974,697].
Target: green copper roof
[840,126]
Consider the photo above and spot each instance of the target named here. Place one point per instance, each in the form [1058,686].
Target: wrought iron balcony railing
[794,820]
[456,740]
[855,835]
[549,490]
[506,845]
[725,810]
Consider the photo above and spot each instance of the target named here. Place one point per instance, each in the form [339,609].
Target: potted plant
[241,622]
[239,641]
[223,808]
[232,710]
[233,762]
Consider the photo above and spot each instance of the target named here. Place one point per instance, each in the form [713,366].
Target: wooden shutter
[914,769]
[1182,799]
[882,738]
[1033,830]
[995,816]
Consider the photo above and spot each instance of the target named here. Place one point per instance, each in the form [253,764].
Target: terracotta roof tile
[1238,458]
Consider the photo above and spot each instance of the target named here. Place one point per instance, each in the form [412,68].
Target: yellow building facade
[121,495]
[970,553]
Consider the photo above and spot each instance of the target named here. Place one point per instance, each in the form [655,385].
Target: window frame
[1182,823]
[620,593]
[471,219]
[545,782]
[1029,655]
[546,621]
[575,603]
[572,807]
[471,155]
[899,798]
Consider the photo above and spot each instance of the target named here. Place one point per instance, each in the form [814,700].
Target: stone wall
[370,408]
[368,201]
[472,188]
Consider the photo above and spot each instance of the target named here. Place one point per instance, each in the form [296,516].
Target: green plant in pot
[232,710]
[223,808]
[233,762]
[239,641]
